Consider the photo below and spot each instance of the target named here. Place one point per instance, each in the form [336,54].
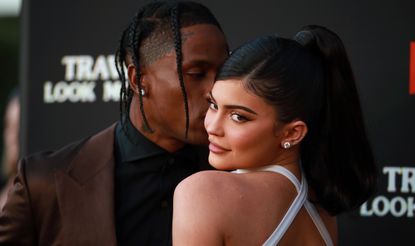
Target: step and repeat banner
[70,86]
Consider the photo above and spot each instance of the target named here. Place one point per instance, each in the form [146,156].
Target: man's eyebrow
[198,63]
[232,106]
[186,35]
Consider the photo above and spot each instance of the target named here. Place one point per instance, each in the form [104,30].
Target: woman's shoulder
[214,192]
[207,185]
[223,202]
[201,208]
[225,190]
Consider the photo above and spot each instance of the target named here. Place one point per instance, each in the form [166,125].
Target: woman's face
[242,128]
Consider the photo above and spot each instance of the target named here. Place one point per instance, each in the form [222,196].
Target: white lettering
[112,68]
[69,62]
[111,91]
[59,92]
[394,207]
[73,92]
[391,171]
[364,211]
[408,179]
[411,207]
[47,92]
[84,67]
[82,72]
[100,69]
[381,206]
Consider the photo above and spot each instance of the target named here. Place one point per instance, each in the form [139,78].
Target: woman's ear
[132,78]
[293,133]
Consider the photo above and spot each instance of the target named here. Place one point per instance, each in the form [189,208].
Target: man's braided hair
[153,32]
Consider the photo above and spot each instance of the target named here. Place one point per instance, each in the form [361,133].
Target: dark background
[377,35]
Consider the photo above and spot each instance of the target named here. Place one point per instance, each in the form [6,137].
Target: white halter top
[299,201]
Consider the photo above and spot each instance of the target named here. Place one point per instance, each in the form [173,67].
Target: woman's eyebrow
[233,106]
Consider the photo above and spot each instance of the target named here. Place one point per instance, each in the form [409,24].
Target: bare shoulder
[200,211]
[214,204]
[204,178]
[206,187]
[219,188]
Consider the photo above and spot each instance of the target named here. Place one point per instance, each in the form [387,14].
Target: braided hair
[152,33]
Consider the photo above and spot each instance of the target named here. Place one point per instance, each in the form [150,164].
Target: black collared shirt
[145,178]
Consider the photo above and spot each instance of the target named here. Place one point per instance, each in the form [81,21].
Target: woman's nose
[213,123]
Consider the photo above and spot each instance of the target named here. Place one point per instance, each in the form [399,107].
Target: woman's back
[251,206]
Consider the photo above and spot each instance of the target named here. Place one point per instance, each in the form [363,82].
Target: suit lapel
[85,193]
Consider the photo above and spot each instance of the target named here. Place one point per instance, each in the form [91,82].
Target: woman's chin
[218,162]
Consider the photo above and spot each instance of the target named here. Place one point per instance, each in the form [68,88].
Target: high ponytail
[336,154]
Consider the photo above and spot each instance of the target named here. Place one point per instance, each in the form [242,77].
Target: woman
[285,115]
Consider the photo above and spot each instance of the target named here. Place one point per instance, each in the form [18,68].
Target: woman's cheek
[240,138]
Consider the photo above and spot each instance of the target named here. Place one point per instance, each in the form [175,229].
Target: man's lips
[217,149]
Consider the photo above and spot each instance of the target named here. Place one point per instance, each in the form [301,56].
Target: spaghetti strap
[312,211]
[288,218]
[276,169]
[299,201]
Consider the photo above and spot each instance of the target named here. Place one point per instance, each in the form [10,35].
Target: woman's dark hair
[153,32]
[310,79]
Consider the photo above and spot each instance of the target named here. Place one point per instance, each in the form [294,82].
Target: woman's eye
[212,105]
[238,118]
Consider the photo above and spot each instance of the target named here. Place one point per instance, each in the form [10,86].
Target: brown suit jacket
[64,197]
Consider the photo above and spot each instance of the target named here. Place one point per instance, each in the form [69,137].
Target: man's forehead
[163,43]
[205,44]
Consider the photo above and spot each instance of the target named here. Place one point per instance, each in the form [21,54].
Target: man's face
[204,50]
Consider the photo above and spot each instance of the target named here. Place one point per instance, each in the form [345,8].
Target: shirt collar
[135,146]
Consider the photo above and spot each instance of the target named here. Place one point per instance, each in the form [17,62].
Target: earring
[142,92]
[286,145]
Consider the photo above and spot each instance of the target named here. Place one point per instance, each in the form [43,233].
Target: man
[116,187]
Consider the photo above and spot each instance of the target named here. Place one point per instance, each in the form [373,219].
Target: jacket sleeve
[16,218]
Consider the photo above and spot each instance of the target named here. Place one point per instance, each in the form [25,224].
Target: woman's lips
[217,149]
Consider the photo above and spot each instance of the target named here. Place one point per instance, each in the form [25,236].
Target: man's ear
[294,133]
[132,75]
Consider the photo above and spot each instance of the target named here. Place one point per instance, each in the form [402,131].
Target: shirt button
[172,161]
[164,204]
